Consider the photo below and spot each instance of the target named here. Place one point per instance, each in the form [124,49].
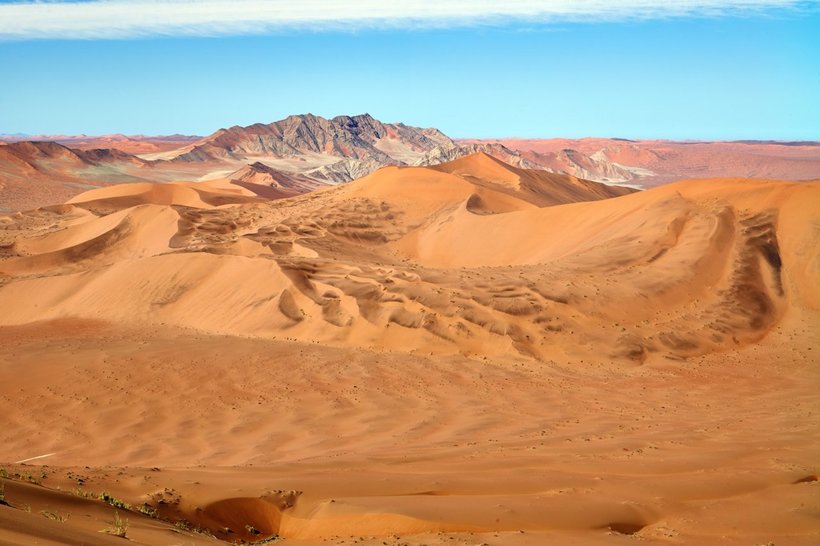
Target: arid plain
[459,351]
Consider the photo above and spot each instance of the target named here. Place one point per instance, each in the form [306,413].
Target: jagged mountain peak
[359,138]
[341,148]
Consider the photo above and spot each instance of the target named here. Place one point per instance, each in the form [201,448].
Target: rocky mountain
[336,150]
[132,144]
[350,137]
[348,169]
[654,162]
[44,157]
[345,148]
[452,151]
[38,173]
[595,166]
[29,155]
[268,182]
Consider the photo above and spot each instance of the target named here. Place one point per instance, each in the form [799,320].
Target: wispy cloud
[116,19]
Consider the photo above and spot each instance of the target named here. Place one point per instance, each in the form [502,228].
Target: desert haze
[341,331]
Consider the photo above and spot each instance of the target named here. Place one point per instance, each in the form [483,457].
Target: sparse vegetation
[21,477]
[185,525]
[56,516]
[78,492]
[269,540]
[118,528]
[203,531]
[3,495]
[113,501]
[147,510]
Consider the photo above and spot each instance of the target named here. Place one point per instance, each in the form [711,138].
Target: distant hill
[132,144]
[41,173]
[655,162]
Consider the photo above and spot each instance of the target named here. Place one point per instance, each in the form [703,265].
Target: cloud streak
[120,19]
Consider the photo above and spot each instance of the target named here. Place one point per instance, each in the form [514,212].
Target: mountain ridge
[308,151]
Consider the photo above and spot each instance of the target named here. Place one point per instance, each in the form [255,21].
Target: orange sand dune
[480,183]
[540,187]
[464,354]
[138,232]
[270,183]
[201,195]
[704,242]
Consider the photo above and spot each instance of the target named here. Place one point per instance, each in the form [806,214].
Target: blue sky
[703,73]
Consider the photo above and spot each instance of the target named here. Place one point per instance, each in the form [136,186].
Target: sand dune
[478,183]
[469,354]
[539,187]
[195,195]
[270,183]
[381,262]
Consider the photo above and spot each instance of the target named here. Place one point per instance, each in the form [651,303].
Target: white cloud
[135,18]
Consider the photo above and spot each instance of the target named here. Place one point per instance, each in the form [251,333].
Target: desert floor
[346,446]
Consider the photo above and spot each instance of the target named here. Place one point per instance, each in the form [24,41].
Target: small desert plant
[147,510]
[182,525]
[3,472]
[270,540]
[113,501]
[118,528]
[3,495]
[56,516]
[79,492]
[185,525]
[26,478]
[204,531]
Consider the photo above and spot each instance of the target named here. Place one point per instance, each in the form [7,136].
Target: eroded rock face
[353,137]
